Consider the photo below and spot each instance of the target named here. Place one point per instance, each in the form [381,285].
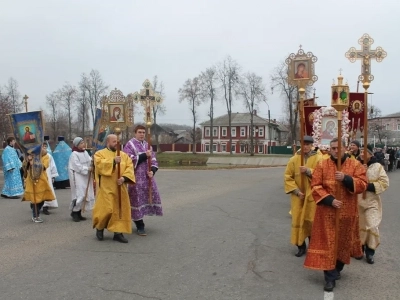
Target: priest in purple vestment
[137,149]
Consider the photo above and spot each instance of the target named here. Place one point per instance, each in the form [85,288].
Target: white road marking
[328,296]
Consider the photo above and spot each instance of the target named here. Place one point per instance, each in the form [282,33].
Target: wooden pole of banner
[301,111]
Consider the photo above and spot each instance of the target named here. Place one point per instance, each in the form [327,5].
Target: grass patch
[212,167]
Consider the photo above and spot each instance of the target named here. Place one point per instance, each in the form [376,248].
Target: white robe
[78,170]
[51,173]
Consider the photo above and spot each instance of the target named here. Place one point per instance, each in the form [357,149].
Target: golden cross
[148,98]
[340,70]
[365,54]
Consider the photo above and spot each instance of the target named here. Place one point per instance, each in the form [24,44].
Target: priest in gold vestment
[302,202]
[106,212]
[335,192]
[370,208]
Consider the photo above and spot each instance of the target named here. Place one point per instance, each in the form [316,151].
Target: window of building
[215,131]
[215,147]
[242,131]
[207,148]
[242,148]
[260,148]
[261,131]
[398,126]
[223,147]
[233,131]
[207,131]
[224,131]
[233,148]
[387,127]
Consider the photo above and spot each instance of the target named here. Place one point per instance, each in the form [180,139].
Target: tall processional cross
[365,55]
[148,98]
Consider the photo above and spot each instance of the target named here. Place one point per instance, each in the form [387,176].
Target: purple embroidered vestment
[139,192]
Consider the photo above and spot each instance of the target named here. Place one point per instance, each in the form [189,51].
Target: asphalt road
[224,235]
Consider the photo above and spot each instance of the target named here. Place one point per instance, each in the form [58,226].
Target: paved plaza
[224,235]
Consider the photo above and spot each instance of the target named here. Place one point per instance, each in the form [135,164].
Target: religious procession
[335,180]
[115,183]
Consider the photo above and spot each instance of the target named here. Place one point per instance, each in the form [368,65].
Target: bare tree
[374,112]
[252,90]
[208,91]
[95,87]
[228,74]
[82,105]
[68,98]
[14,97]
[290,95]
[191,93]
[52,115]
[5,109]
[158,109]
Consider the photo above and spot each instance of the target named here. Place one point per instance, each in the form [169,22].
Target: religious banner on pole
[356,111]
[301,73]
[309,118]
[28,130]
[100,132]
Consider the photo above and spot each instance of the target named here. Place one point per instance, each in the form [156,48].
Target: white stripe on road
[328,296]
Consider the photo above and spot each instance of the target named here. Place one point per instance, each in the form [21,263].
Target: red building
[265,134]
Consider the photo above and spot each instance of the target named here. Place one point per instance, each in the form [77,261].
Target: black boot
[329,286]
[46,210]
[302,250]
[100,234]
[119,237]
[75,216]
[140,228]
[80,216]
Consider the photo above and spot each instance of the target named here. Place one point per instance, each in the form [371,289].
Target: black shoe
[80,216]
[370,259]
[4,196]
[141,232]
[338,275]
[75,216]
[120,238]
[46,211]
[302,250]
[100,234]
[329,286]
[359,257]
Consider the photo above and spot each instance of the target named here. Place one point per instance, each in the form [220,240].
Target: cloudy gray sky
[45,43]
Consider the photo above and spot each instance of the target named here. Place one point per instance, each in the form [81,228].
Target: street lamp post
[269,129]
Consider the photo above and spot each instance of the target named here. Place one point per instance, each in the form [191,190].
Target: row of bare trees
[10,102]
[72,108]
[223,81]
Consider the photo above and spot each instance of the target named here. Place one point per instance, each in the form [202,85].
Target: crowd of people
[336,204]
[117,186]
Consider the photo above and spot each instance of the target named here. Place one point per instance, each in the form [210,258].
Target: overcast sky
[45,43]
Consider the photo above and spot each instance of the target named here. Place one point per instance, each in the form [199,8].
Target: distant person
[61,156]
[13,186]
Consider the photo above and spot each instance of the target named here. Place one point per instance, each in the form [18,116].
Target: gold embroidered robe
[302,211]
[321,252]
[106,207]
[41,191]
[370,208]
